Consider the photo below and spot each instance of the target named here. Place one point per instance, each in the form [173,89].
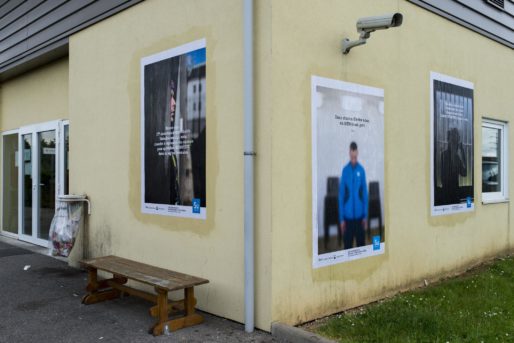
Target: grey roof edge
[55,49]
[49,53]
[463,23]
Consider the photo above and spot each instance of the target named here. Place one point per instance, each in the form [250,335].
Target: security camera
[367,25]
[382,22]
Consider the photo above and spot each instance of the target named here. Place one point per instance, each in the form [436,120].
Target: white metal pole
[249,156]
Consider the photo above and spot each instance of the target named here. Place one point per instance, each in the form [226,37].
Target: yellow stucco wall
[294,39]
[105,148]
[398,60]
[38,96]
[35,97]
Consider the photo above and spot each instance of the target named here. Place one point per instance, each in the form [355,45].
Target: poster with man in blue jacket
[353,201]
[348,183]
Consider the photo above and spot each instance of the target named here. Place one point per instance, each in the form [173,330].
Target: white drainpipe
[249,155]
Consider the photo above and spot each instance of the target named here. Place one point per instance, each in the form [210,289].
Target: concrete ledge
[293,334]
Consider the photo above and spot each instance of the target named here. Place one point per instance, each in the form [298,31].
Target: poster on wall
[173,132]
[452,145]
[347,171]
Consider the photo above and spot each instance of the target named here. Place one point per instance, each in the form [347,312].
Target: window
[494,161]
[66,157]
[34,172]
[10,183]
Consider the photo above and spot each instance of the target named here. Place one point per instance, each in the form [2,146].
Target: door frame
[60,157]
[2,231]
[34,129]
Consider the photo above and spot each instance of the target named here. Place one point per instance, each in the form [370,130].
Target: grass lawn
[475,307]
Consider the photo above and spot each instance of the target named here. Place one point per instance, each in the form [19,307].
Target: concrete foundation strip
[293,334]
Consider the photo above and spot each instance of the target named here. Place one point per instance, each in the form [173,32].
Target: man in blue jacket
[353,201]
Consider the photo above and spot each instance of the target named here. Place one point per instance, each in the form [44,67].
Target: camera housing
[367,25]
[382,22]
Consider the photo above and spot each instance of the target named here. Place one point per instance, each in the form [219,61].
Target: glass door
[38,179]
[10,183]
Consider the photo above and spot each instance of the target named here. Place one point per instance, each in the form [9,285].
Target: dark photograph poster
[452,145]
[173,132]
[347,171]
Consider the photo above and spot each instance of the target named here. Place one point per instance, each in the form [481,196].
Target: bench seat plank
[150,275]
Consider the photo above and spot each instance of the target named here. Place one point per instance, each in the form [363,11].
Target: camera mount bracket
[348,45]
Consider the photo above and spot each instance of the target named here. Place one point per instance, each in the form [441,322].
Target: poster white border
[164,209]
[339,256]
[453,208]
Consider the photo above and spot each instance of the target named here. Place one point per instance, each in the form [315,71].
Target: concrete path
[42,304]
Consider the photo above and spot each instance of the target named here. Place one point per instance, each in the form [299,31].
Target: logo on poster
[196,205]
[376,242]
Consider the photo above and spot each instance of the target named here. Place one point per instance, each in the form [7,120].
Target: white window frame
[58,126]
[503,195]
[33,130]
[61,162]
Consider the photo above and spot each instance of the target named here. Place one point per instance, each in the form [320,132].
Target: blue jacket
[353,193]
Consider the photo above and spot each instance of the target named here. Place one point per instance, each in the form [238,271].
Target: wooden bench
[162,280]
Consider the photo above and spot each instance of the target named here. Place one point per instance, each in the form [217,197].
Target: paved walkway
[42,304]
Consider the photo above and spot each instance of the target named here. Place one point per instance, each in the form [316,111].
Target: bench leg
[162,311]
[97,297]
[93,287]
[173,306]
[92,280]
[102,284]
[189,319]
[189,301]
